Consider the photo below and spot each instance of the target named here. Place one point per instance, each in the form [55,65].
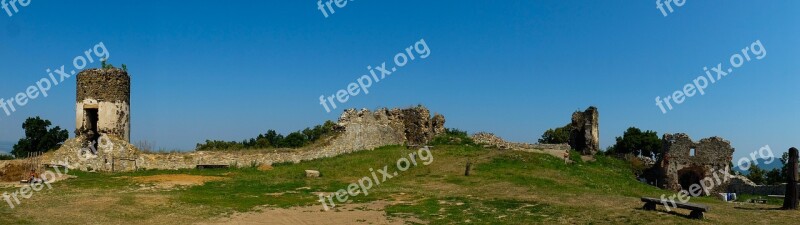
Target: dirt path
[369,213]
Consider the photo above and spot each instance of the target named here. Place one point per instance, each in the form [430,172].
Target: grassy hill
[505,187]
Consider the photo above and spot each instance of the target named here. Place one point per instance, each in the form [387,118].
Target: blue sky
[231,70]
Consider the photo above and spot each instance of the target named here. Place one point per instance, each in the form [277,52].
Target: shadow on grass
[671,212]
[758,209]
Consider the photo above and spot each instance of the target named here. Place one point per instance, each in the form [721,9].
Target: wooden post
[469,164]
[790,197]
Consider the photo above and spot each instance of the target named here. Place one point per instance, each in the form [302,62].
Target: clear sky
[231,70]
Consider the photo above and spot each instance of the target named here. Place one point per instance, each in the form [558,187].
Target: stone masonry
[413,126]
[490,140]
[357,131]
[685,162]
[584,134]
[103,104]
[741,185]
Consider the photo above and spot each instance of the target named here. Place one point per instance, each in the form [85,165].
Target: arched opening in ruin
[91,117]
[690,176]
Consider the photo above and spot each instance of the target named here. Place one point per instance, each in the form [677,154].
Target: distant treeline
[272,139]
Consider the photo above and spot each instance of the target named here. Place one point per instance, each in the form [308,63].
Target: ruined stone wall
[490,140]
[357,131]
[741,185]
[108,91]
[585,131]
[113,118]
[711,155]
[105,85]
[413,126]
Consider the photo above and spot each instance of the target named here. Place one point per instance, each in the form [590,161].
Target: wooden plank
[690,206]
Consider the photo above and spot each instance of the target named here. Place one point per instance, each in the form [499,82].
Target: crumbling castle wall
[585,131]
[685,162]
[413,126]
[741,185]
[356,131]
[490,140]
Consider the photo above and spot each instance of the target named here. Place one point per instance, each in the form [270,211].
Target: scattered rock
[312,173]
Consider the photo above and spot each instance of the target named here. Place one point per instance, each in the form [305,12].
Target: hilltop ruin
[685,162]
[584,134]
[102,105]
[356,130]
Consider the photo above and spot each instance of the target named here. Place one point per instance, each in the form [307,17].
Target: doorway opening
[91,118]
[690,176]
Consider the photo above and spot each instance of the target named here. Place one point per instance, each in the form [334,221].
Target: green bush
[556,136]
[452,137]
[272,139]
[38,138]
[6,157]
[636,142]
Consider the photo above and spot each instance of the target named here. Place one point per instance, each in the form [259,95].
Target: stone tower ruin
[584,134]
[103,104]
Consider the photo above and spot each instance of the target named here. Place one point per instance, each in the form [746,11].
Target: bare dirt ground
[173,180]
[368,213]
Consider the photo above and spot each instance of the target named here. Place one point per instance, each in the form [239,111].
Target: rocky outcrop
[585,131]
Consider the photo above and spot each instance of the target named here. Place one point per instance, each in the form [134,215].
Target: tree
[295,140]
[555,136]
[756,174]
[636,142]
[774,177]
[272,139]
[38,138]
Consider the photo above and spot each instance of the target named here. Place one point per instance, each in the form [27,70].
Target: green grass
[505,187]
[770,200]
[458,210]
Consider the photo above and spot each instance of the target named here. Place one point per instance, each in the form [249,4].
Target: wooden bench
[200,167]
[698,210]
